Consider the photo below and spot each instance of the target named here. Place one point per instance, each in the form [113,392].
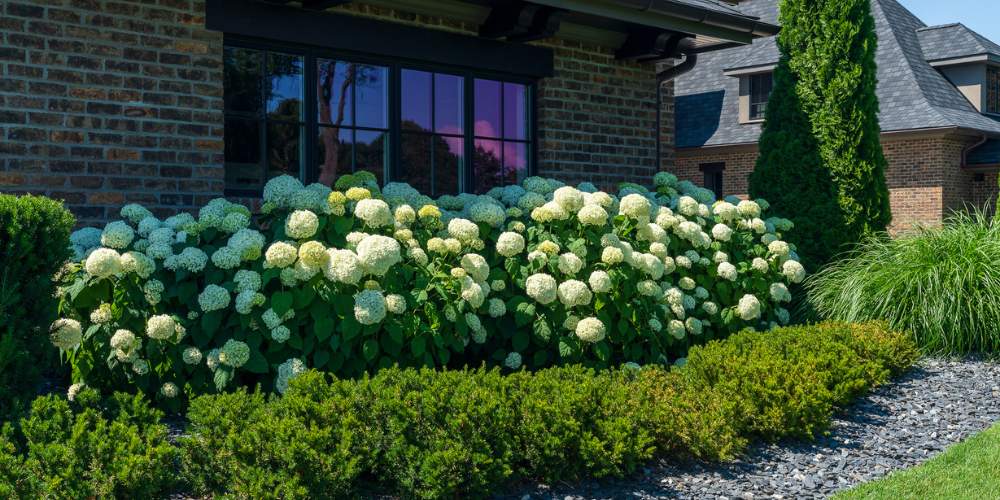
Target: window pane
[334,153]
[283,149]
[415,162]
[334,91]
[370,153]
[284,87]
[416,99]
[242,138]
[448,104]
[487,108]
[242,80]
[487,165]
[449,160]
[372,101]
[515,116]
[515,162]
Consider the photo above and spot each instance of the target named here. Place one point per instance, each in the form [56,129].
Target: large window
[318,116]
[760,92]
[993,89]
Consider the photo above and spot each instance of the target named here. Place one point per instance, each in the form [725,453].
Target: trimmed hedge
[34,244]
[432,434]
[88,448]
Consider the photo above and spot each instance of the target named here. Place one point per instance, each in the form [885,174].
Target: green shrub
[941,284]
[821,162]
[434,434]
[203,303]
[34,244]
[91,448]
[788,381]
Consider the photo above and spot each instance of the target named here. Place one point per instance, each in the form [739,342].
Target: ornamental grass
[942,284]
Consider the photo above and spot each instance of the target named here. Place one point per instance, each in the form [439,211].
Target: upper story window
[992,89]
[318,117]
[759,91]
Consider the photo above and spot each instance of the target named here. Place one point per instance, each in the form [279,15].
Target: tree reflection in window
[352,114]
[501,134]
[433,131]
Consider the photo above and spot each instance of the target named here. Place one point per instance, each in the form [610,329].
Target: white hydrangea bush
[352,278]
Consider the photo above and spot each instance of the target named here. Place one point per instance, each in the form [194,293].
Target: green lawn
[970,469]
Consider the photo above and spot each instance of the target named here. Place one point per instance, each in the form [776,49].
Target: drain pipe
[685,47]
[968,149]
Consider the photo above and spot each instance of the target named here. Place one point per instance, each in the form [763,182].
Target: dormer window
[760,91]
[993,89]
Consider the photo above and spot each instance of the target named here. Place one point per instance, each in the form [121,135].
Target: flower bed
[432,434]
[355,279]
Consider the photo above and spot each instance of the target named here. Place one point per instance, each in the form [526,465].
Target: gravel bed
[899,425]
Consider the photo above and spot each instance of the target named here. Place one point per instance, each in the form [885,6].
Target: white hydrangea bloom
[497,308]
[711,308]
[101,315]
[476,266]
[725,211]
[226,258]
[693,325]
[570,264]
[369,307]
[66,333]
[247,300]
[655,325]
[373,212]
[169,390]
[286,372]
[542,288]
[191,356]
[600,282]
[779,248]
[793,271]
[593,215]
[301,224]
[212,359]
[727,271]
[488,213]
[160,327]
[635,206]
[686,283]
[677,329]
[378,254]
[780,293]
[234,353]
[574,293]
[748,308]
[280,334]
[405,214]
[612,255]
[153,289]
[783,316]
[760,265]
[118,235]
[513,361]
[103,263]
[74,390]
[687,206]
[748,209]
[280,254]
[280,190]
[248,243]
[135,213]
[722,232]
[395,303]
[463,230]
[158,251]
[648,288]
[591,330]
[569,198]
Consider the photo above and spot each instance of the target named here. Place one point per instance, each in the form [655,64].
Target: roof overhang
[972,59]
[751,70]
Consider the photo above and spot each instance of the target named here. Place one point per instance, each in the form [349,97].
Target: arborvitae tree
[790,174]
[829,50]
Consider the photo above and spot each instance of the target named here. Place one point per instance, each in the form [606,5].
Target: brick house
[173,102]
[939,94]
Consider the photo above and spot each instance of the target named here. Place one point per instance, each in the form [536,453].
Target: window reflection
[433,136]
[353,114]
[501,131]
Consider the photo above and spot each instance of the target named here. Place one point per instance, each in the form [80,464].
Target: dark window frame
[992,105]
[308,163]
[713,177]
[757,105]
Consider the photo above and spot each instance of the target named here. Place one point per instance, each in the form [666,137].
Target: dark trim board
[364,36]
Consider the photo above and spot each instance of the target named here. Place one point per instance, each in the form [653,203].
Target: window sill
[752,122]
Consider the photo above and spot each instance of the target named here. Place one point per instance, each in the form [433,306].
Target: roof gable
[912,93]
[952,41]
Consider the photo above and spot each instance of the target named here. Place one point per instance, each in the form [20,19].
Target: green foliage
[434,434]
[787,381]
[90,448]
[821,161]
[942,284]
[376,278]
[34,243]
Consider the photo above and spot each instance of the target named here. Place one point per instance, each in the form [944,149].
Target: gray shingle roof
[912,94]
[715,5]
[950,41]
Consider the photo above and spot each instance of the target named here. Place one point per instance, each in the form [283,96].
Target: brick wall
[925,178]
[108,102]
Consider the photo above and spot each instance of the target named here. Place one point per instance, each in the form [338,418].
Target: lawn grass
[970,469]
